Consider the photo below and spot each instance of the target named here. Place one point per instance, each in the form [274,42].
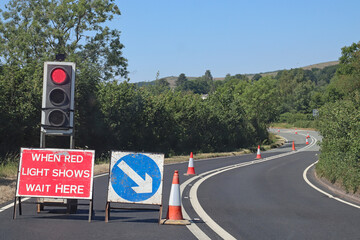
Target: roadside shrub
[300,120]
[339,124]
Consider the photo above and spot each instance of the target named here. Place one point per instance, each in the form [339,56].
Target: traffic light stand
[70,204]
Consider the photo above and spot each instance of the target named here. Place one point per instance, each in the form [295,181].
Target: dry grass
[289,126]
[7,189]
[177,159]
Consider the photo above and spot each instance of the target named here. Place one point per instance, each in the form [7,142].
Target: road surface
[234,197]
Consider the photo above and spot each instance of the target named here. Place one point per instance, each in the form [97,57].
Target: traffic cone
[258,155]
[191,169]
[295,131]
[293,146]
[278,130]
[307,141]
[308,136]
[174,214]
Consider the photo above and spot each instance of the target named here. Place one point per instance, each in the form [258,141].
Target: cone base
[175,222]
[189,174]
[174,213]
[258,157]
[190,171]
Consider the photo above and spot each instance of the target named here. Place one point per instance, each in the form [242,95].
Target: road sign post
[135,178]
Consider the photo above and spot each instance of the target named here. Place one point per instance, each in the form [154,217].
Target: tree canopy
[34,31]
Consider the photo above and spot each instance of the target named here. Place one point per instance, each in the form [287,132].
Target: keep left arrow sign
[144,185]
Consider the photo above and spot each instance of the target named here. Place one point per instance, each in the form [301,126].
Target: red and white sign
[56,173]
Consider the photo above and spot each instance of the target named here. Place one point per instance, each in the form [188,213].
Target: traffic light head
[58,96]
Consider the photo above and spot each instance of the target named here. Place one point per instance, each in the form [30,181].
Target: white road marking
[12,204]
[323,192]
[197,232]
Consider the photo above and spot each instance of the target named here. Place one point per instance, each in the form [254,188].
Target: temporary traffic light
[58,96]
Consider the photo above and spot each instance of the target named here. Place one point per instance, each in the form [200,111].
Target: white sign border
[57,197]
[156,199]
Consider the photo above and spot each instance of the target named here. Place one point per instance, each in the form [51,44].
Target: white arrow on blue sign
[136,178]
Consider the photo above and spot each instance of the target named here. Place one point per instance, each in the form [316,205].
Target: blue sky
[229,36]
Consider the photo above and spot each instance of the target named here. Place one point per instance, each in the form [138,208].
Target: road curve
[270,200]
[252,200]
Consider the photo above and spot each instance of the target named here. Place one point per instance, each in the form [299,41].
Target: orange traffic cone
[307,141]
[174,214]
[191,169]
[295,131]
[258,155]
[278,130]
[293,146]
[308,136]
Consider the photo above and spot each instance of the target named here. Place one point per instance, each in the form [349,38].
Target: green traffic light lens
[57,118]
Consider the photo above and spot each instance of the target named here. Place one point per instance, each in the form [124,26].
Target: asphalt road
[270,200]
[247,199]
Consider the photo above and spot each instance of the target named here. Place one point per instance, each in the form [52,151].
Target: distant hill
[309,67]
[172,79]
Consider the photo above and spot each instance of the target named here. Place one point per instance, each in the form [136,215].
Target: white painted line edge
[323,192]
[198,233]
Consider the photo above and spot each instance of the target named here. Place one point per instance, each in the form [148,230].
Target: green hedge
[339,125]
[300,120]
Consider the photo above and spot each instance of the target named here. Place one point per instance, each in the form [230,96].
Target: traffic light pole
[43,142]
[71,204]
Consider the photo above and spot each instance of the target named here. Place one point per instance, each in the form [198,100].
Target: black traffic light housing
[58,97]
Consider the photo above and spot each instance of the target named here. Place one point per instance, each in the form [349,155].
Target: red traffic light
[58,76]
[58,97]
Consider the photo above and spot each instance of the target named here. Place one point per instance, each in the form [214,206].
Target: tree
[34,31]
[181,80]
[256,77]
[347,78]
[208,76]
[339,123]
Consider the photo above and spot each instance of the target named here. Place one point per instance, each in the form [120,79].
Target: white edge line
[12,204]
[198,233]
[323,192]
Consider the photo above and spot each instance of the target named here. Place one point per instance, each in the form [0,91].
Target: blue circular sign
[135,177]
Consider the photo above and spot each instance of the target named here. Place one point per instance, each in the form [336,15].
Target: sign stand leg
[20,210]
[91,206]
[14,213]
[39,206]
[90,209]
[107,212]
[160,213]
